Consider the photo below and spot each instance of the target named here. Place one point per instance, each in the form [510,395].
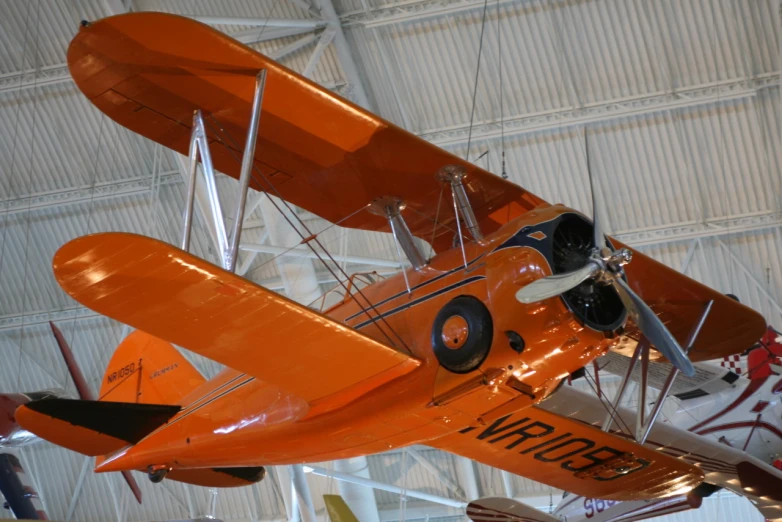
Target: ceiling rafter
[610,110]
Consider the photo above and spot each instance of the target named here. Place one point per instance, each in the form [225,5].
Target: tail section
[144,383]
[148,370]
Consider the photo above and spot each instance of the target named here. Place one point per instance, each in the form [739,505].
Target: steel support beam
[360,499]
[292,47]
[50,75]
[386,487]
[414,11]
[302,491]
[439,475]
[357,92]
[309,23]
[325,39]
[719,227]
[10,322]
[760,286]
[98,192]
[616,109]
[284,476]
[465,471]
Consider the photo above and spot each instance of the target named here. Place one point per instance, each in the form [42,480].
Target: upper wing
[572,456]
[180,298]
[679,301]
[150,71]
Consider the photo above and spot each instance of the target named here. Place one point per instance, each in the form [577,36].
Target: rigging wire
[477,76]
[266,22]
[310,238]
[615,416]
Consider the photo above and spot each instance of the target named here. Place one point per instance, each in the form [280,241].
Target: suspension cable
[477,75]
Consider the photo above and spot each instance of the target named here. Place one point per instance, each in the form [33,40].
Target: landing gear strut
[157,473]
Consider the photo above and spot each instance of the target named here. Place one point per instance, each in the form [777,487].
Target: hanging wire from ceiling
[266,21]
[502,91]
[477,76]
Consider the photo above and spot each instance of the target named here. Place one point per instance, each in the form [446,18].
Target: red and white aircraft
[731,412]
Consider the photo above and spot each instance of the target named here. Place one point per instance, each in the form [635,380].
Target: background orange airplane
[450,353]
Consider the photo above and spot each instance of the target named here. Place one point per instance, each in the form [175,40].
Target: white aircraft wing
[723,465]
[709,378]
[498,509]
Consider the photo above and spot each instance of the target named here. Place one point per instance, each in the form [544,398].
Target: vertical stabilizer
[148,370]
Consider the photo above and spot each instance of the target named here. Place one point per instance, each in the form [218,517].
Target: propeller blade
[555,285]
[85,393]
[654,329]
[78,378]
[598,236]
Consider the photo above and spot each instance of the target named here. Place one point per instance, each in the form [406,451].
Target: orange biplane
[450,353]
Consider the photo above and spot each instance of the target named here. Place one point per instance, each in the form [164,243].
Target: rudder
[145,369]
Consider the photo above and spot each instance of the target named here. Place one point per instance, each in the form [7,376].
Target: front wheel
[462,334]
[157,475]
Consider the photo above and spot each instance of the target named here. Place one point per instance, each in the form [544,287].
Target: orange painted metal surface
[264,423]
[522,443]
[149,71]
[305,387]
[185,300]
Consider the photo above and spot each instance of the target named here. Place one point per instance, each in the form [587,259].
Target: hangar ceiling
[682,103]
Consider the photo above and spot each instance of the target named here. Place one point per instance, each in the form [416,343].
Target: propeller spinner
[603,266]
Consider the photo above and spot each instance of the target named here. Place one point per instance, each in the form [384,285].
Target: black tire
[469,355]
[158,475]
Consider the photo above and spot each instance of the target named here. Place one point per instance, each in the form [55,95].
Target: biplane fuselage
[258,423]
[368,376]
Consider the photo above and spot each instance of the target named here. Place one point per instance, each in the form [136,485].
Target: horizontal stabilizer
[218,477]
[498,509]
[92,427]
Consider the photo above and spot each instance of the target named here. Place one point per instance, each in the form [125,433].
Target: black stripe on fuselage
[212,392]
[416,287]
[226,392]
[420,300]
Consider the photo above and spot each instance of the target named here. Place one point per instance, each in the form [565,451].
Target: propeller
[85,393]
[604,266]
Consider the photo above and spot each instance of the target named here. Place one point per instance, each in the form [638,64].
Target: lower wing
[168,293]
[573,456]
